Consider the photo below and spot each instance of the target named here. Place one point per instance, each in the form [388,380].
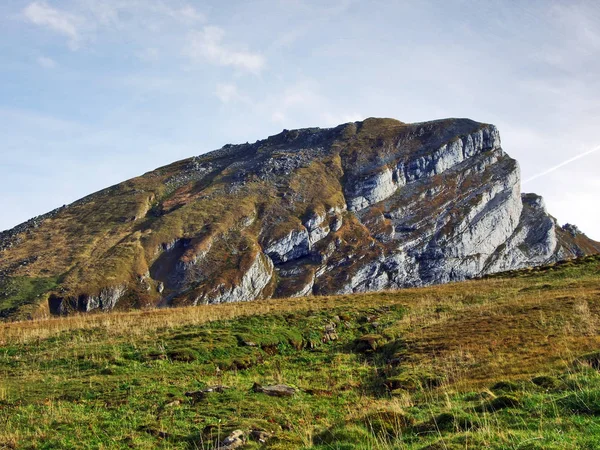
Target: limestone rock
[276,390]
[364,206]
[233,441]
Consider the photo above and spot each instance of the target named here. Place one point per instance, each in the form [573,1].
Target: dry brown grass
[472,331]
[416,300]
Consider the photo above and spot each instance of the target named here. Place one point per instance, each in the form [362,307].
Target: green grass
[505,363]
[22,291]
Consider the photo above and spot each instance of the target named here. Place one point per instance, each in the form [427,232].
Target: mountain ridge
[363,206]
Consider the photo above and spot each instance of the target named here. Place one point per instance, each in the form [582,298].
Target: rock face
[365,206]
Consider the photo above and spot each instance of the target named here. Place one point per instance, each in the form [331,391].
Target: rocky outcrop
[373,189]
[250,287]
[293,245]
[533,241]
[106,300]
[364,206]
[377,187]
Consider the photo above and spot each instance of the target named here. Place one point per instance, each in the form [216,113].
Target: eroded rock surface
[364,206]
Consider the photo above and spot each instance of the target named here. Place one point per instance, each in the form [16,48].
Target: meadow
[507,362]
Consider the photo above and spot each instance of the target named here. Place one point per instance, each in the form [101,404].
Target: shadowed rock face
[364,206]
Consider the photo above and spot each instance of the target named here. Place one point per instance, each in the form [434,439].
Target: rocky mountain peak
[363,206]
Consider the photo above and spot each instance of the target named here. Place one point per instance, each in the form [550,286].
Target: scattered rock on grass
[276,390]
[260,436]
[233,441]
[196,396]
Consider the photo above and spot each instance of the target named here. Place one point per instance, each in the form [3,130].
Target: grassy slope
[442,364]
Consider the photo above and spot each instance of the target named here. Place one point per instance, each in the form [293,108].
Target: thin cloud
[562,164]
[207,45]
[90,20]
[46,63]
[61,22]
[227,92]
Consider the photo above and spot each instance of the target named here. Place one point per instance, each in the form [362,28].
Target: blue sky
[93,92]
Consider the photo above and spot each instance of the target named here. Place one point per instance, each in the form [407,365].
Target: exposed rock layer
[364,206]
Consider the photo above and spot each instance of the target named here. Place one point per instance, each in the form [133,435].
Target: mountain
[364,206]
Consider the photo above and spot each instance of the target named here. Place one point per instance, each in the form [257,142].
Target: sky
[93,92]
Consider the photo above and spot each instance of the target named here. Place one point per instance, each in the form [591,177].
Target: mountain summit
[364,206]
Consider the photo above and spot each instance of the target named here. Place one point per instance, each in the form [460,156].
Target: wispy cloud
[303,104]
[83,21]
[46,63]
[228,92]
[207,45]
[58,21]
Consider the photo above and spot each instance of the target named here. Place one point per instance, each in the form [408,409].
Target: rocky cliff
[365,206]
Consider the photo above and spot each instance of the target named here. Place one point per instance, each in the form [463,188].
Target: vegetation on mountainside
[511,362]
[20,292]
[181,233]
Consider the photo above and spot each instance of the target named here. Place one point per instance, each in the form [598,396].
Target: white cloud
[278,117]
[188,14]
[227,92]
[207,45]
[332,119]
[61,22]
[130,20]
[46,63]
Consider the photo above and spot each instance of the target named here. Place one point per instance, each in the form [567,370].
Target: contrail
[564,163]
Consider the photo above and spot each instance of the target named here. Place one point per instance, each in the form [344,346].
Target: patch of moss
[19,291]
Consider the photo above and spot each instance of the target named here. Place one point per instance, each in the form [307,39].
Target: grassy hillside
[327,206]
[507,362]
